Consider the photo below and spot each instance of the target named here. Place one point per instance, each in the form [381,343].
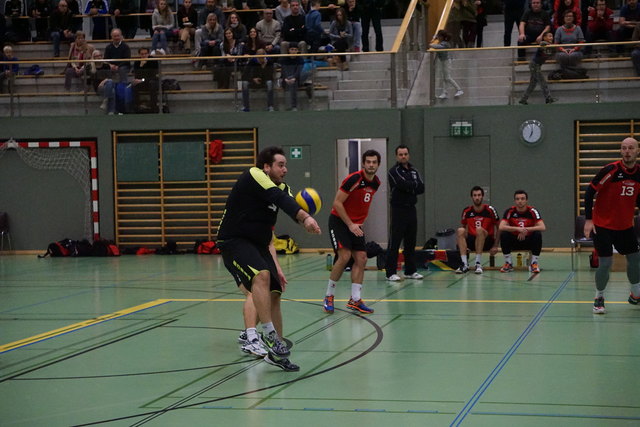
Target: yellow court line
[80,325]
[92,322]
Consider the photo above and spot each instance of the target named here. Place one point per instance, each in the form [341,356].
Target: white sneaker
[443,95]
[416,276]
[162,52]
[254,347]
[459,93]
[152,53]
[478,268]
[394,278]
[105,104]
[462,269]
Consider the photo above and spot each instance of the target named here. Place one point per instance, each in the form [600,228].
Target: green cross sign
[295,152]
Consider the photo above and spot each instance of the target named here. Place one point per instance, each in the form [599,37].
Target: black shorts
[342,237]
[624,241]
[471,243]
[245,260]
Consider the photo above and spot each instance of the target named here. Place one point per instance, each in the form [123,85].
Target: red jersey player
[520,229]
[617,186]
[350,209]
[479,223]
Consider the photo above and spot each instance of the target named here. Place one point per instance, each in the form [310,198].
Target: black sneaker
[523,102]
[282,363]
[274,345]
[550,100]
[598,306]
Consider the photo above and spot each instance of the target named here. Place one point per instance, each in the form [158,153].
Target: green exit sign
[462,128]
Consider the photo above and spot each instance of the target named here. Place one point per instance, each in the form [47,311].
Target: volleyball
[309,200]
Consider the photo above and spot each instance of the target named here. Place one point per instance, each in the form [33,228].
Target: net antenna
[71,159]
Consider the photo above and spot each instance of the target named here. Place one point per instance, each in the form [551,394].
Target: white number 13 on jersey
[627,191]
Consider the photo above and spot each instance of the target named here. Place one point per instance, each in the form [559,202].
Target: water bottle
[519,260]
[329,262]
[492,261]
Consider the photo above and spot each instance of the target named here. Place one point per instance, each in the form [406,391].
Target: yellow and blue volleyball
[309,200]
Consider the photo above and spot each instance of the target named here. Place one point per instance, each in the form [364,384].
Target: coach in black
[245,239]
[406,185]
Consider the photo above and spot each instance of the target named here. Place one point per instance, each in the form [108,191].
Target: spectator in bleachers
[560,7]
[8,72]
[257,74]
[354,15]
[209,40]
[441,41]
[121,9]
[61,26]
[294,30]
[163,23]
[371,15]
[119,53]
[74,8]
[230,47]
[635,53]
[253,43]
[147,6]
[600,24]
[534,23]
[313,24]
[18,27]
[100,78]
[187,22]
[569,58]
[101,24]
[40,11]
[290,74]
[238,29]
[250,19]
[535,67]
[341,34]
[513,11]
[211,7]
[629,17]
[481,20]
[145,82]
[462,19]
[269,31]
[283,10]
[78,51]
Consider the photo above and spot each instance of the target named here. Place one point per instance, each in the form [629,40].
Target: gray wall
[494,157]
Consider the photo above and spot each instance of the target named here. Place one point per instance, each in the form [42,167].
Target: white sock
[331,288]
[464,259]
[599,293]
[635,290]
[252,334]
[268,327]
[507,258]
[355,291]
[478,258]
[534,258]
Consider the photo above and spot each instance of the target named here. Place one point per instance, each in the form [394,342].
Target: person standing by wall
[406,186]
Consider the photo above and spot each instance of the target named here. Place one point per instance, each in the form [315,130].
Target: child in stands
[441,41]
[535,66]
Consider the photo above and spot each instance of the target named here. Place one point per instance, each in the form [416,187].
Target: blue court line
[505,359]
[533,414]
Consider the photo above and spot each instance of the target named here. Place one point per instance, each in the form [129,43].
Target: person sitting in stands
[282,11]
[230,47]
[61,26]
[290,73]
[560,7]
[120,51]
[313,26]
[239,30]
[187,21]
[629,17]
[211,7]
[121,9]
[635,54]
[145,82]
[78,51]
[534,23]
[569,33]
[162,22]
[269,31]
[253,43]
[14,10]
[8,72]
[100,24]
[100,79]
[74,8]
[209,40]
[599,25]
[257,74]
[294,30]
[40,11]
[341,34]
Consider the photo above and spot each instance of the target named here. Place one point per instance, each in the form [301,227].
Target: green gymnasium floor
[152,340]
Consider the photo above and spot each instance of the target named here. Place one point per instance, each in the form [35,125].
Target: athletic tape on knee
[602,273]
[633,267]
